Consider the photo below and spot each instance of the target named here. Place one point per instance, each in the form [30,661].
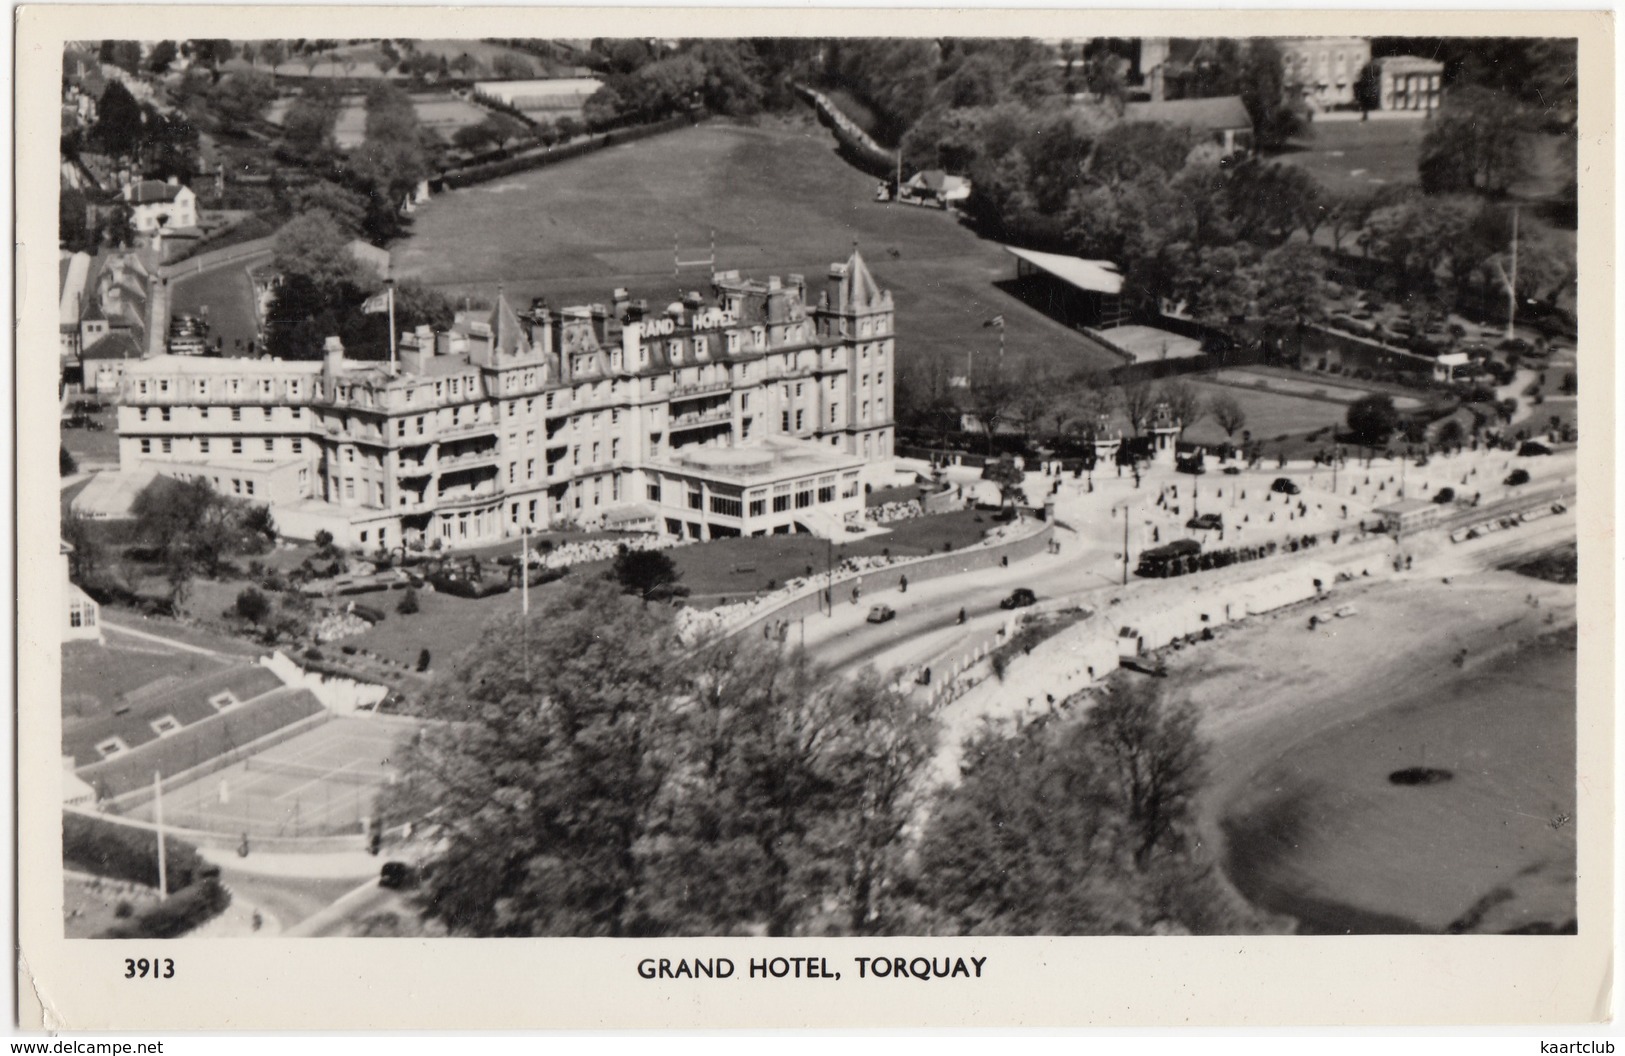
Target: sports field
[321,783]
[777,199]
[1348,156]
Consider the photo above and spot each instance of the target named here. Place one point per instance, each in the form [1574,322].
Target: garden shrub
[181,913]
[122,852]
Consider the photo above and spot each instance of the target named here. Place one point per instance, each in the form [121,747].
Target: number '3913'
[142,968]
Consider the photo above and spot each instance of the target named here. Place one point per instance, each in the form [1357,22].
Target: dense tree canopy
[603,778]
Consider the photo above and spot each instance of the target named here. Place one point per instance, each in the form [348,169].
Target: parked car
[397,875]
[1444,495]
[1019,598]
[1533,447]
[1285,486]
[1516,477]
[1232,471]
[1206,522]
[881,613]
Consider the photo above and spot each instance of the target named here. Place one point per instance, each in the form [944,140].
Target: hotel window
[141,387]
[163,414]
[298,446]
[653,491]
[163,385]
[146,447]
[456,415]
[513,472]
[349,487]
[615,488]
[350,454]
[834,413]
[880,377]
[236,486]
[298,412]
[549,403]
[696,499]
[143,414]
[293,389]
[235,385]
[203,444]
[236,414]
[165,726]
[166,445]
[744,401]
[530,438]
[758,507]
[248,487]
[575,456]
[420,425]
[439,389]
[237,447]
[454,386]
[595,447]
[804,498]
[265,386]
[400,427]
[270,444]
[530,469]
[725,506]
[826,489]
[798,390]
[203,412]
[615,416]
[651,384]
[784,421]
[865,410]
[799,421]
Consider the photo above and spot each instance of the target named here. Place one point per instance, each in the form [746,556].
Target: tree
[1228,413]
[1277,113]
[121,225]
[409,603]
[1292,288]
[1155,761]
[307,127]
[163,53]
[1372,419]
[273,53]
[1184,402]
[252,605]
[1476,142]
[649,574]
[1009,477]
[1138,399]
[345,208]
[118,120]
[990,391]
[512,68]
[1368,89]
[87,553]
[241,97]
[551,775]
[315,246]
[73,221]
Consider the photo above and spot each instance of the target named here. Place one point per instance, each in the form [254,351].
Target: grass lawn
[87,911]
[95,677]
[1269,415]
[89,445]
[228,295]
[777,199]
[1359,155]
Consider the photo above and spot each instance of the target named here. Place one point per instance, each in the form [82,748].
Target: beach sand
[1304,728]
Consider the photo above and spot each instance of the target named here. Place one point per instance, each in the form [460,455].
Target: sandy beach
[1305,726]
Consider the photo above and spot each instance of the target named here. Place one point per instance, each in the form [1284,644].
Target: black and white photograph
[823,487]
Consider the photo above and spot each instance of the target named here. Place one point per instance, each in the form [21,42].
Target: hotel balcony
[698,388]
[470,428]
[720,416]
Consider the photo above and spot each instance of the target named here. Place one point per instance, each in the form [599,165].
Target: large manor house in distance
[749,413]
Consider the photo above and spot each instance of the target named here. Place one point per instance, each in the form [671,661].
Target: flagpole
[158,820]
[524,570]
[389,285]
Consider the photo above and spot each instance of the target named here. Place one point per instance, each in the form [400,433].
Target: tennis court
[321,783]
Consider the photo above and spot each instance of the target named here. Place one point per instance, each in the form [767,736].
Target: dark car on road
[1516,477]
[881,613]
[397,875]
[1206,522]
[1019,598]
[1285,486]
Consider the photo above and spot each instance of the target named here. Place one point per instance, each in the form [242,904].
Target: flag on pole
[378,302]
[997,320]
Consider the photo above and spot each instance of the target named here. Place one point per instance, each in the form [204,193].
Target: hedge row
[124,852]
[177,915]
[473,174]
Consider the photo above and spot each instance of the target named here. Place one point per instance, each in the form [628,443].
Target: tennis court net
[346,775]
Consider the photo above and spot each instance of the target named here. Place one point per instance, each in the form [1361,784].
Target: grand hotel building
[752,412]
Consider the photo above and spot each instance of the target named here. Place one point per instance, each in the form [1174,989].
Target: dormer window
[111,747]
[166,726]
[223,700]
